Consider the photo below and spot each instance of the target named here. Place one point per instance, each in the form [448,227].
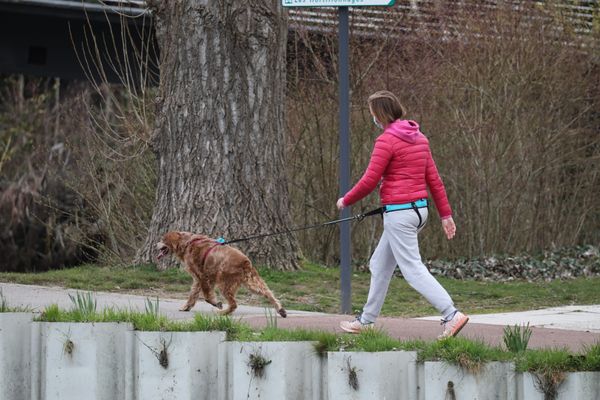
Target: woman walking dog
[402,161]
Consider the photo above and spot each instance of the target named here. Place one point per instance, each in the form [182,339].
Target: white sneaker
[454,325]
[355,326]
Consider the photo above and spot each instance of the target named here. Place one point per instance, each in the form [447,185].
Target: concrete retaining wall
[69,361]
[575,386]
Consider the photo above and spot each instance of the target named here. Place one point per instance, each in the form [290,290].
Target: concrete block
[15,356]
[78,360]
[174,365]
[580,386]
[575,386]
[440,380]
[381,375]
[292,371]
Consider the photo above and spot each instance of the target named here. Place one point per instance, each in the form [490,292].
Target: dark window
[37,55]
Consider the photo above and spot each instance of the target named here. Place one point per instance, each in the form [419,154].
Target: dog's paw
[185,308]
[218,305]
[282,312]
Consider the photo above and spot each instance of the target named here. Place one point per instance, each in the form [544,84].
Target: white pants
[399,246]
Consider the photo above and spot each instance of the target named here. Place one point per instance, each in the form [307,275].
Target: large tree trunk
[219,134]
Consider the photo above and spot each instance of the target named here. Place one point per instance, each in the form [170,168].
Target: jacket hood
[404,129]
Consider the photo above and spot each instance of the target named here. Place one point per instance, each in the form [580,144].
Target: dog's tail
[258,286]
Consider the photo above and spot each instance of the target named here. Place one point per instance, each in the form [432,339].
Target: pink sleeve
[436,187]
[380,158]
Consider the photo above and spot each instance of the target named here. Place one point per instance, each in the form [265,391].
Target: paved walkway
[573,318]
[573,327]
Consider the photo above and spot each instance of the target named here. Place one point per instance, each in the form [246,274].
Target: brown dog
[210,264]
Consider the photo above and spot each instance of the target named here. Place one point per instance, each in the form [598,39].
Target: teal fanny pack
[406,206]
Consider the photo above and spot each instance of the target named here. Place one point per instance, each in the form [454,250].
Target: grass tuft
[50,314]
[375,340]
[271,318]
[325,342]
[352,375]
[516,338]
[233,328]
[592,358]
[257,364]
[467,354]
[152,307]
[85,304]
[548,360]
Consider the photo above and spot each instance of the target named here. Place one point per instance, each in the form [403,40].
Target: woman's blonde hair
[385,106]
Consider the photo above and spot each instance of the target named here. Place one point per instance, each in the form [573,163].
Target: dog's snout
[162,249]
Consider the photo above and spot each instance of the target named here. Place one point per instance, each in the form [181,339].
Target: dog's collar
[204,240]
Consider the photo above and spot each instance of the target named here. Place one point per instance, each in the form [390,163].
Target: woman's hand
[340,203]
[449,227]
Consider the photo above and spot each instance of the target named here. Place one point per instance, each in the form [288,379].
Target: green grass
[516,338]
[468,354]
[592,358]
[107,278]
[316,288]
[147,321]
[547,361]
[369,341]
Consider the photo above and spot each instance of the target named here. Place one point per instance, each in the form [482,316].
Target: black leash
[358,217]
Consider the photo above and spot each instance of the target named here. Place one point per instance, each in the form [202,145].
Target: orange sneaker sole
[460,326]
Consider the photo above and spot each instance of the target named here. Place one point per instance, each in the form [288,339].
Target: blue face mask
[377,123]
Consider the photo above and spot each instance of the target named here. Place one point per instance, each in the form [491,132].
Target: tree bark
[219,137]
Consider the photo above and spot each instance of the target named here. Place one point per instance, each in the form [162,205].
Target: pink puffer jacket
[403,159]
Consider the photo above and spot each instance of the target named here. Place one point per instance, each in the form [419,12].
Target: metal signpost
[344,109]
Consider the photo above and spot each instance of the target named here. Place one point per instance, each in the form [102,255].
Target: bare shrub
[77,170]
[114,167]
[509,105]
[44,224]
[113,172]
[515,132]
[509,102]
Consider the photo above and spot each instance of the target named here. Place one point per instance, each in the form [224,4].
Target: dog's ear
[171,239]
